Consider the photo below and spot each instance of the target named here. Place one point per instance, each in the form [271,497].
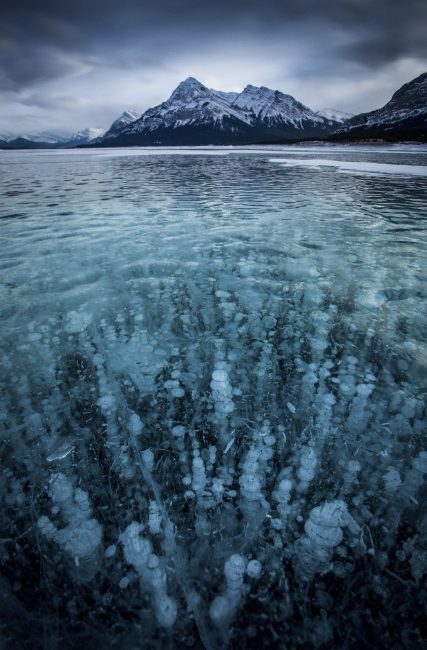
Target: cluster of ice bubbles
[233,469]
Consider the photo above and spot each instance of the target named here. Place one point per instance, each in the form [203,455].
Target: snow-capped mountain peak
[253,99]
[86,135]
[274,107]
[126,118]
[189,85]
[189,90]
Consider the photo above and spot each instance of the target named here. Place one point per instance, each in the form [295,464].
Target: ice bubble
[80,540]
[136,549]
[166,610]
[219,376]
[178,392]
[254,569]
[178,431]
[76,322]
[299,271]
[420,462]
[219,610]
[171,383]
[106,402]
[46,527]
[110,551]
[329,399]
[135,425]
[60,489]
[354,466]
[234,569]
[392,479]
[148,459]
[154,518]
[365,389]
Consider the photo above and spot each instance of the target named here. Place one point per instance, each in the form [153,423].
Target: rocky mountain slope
[126,118]
[404,116]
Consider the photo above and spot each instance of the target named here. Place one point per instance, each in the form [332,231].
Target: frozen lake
[213,373]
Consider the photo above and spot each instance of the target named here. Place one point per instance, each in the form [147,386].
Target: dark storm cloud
[38,48]
[50,38]
[58,41]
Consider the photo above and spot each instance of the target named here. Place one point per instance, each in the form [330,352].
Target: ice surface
[212,399]
[303,149]
[351,166]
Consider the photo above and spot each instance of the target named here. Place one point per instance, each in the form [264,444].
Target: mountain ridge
[197,115]
[405,113]
[216,117]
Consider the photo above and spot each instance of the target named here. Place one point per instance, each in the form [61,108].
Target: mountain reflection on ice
[212,405]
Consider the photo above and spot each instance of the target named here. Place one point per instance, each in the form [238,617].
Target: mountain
[6,136]
[197,115]
[85,136]
[403,117]
[335,115]
[271,108]
[31,141]
[46,140]
[45,137]
[126,118]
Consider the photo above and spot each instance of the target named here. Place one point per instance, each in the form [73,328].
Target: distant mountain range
[197,115]
[49,140]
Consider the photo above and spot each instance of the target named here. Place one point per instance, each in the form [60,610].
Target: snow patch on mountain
[126,118]
[335,115]
[272,106]
[229,97]
[85,136]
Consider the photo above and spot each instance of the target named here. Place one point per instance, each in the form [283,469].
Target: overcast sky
[68,64]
